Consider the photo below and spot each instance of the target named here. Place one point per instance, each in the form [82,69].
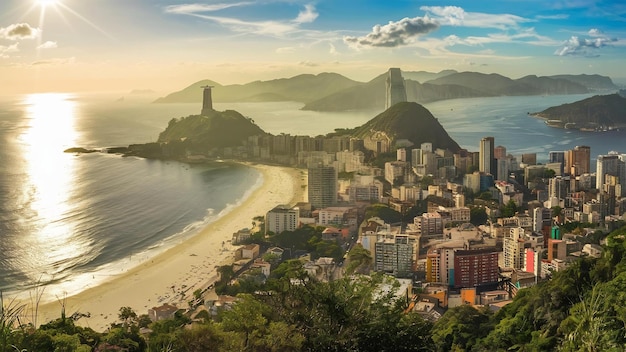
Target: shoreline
[172,276]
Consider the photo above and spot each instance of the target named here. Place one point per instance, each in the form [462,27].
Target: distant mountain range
[597,113]
[334,92]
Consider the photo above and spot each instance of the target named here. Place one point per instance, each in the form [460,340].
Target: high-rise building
[499,152]
[394,254]
[401,154]
[396,91]
[486,156]
[322,186]
[475,267]
[609,165]
[556,157]
[282,218]
[578,160]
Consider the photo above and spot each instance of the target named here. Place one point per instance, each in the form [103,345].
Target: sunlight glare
[46,3]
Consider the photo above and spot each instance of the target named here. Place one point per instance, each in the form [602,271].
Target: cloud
[48,45]
[308,15]
[190,9]
[267,27]
[308,64]
[19,31]
[595,32]
[561,16]
[394,34]
[456,16]
[4,50]
[577,46]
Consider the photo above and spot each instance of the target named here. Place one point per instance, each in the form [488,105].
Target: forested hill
[597,112]
[409,121]
[219,129]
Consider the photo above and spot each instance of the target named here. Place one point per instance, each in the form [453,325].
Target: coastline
[172,276]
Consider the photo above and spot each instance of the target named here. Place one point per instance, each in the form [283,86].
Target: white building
[282,218]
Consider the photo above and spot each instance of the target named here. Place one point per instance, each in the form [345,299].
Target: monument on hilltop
[207,101]
[396,91]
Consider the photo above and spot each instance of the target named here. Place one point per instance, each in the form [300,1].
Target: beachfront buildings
[282,218]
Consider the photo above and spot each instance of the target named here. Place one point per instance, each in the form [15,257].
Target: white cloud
[394,34]
[4,50]
[561,16]
[19,31]
[456,16]
[595,32]
[48,45]
[308,15]
[268,27]
[190,9]
[580,46]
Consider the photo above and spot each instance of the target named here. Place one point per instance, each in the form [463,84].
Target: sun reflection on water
[50,129]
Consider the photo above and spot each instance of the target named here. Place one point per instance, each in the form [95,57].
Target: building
[282,218]
[396,91]
[513,248]
[322,186]
[578,160]
[394,254]
[429,224]
[610,165]
[164,311]
[475,268]
[486,156]
[394,171]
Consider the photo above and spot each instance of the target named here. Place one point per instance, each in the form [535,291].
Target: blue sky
[82,45]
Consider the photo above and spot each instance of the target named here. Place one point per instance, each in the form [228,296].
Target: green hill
[409,121]
[597,112]
[220,129]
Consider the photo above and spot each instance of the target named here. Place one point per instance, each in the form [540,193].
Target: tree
[509,209]
[460,328]
[245,317]
[359,260]
[478,216]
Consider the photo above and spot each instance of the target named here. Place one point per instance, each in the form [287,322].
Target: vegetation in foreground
[580,309]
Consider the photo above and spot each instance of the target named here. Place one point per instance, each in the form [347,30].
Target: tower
[396,91]
[322,186]
[486,156]
[207,100]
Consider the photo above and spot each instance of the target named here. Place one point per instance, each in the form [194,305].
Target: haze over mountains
[334,92]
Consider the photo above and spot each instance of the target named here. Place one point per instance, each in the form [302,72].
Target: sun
[46,3]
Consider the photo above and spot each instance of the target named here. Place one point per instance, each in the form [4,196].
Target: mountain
[218,129]
[372,95]
[423,76]
[599,112]
[593,82]
[496,85]
[301,88]
[409,121]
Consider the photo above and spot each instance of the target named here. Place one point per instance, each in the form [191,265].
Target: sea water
[67,220]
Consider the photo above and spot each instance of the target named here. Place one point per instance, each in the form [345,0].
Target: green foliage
[509,209]
[460,328]
[478,215]
[359,260]
[384,212]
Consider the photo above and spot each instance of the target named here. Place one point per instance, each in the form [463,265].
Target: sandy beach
[174,275]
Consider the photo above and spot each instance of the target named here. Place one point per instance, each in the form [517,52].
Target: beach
[173,276]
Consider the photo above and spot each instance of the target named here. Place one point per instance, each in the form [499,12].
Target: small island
[596,114]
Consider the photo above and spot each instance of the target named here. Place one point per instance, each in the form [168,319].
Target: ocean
[67,219]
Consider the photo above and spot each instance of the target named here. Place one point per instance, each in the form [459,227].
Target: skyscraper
[578,160]
[486,156]
[322,185]
[609,165]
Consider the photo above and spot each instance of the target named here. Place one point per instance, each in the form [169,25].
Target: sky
[164,46]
